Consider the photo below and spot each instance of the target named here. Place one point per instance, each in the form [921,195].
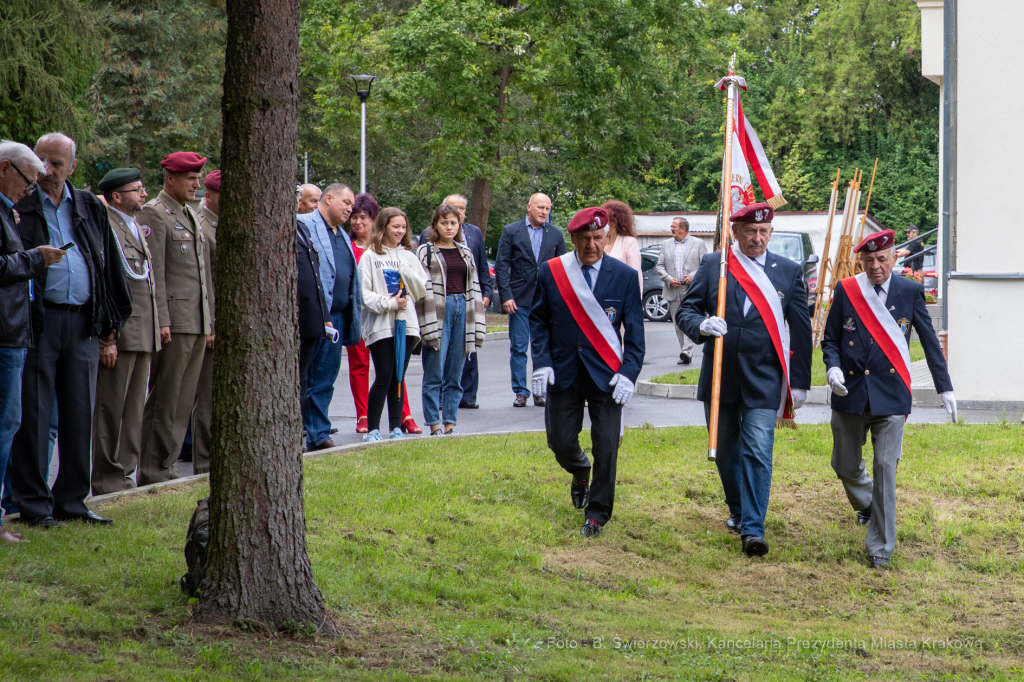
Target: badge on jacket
[904,324]
[184,248]
[146,231]
[610,312]
[179,226]
[849,326]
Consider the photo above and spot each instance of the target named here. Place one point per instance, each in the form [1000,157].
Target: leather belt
[65,307]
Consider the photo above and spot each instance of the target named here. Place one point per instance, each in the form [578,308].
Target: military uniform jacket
[208,224]
[183,284]
[141,332]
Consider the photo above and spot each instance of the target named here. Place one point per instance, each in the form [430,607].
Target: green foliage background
[602,98]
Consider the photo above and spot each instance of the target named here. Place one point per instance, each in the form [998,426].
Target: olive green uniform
[184,303]
[202,416]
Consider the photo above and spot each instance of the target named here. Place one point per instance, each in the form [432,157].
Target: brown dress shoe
[520,401]
[540,401]
[323,446]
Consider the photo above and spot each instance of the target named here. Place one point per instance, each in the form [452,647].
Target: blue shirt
[536,238]
[344,269]
[68,280]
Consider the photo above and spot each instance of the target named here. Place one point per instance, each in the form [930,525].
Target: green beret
[119,177]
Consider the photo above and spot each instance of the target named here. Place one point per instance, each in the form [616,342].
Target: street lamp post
[363,83]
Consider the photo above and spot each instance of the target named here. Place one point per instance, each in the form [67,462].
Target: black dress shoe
[520,401]
[864,516]
[469,405]
[733,523]
[879,563]
[540,401]
[580,493]
[754,545]
[334,431]
[329,443]
[684,359]
[45,522]
[591,529]
[88,517]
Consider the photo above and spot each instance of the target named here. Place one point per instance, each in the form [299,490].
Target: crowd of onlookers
[107,318]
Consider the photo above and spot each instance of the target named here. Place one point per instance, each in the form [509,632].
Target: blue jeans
[323,372]
[746,437]
[12,363]
[442,368]
[519,343]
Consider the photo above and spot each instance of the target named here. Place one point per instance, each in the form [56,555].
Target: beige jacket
[380,309]
[183,285]
[666,267]
[141,332]
[208,223]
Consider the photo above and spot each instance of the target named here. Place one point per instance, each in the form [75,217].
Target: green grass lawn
[690,376]
[461,558]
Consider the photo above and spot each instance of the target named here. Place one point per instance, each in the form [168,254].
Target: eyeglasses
[29,185]
[140,190]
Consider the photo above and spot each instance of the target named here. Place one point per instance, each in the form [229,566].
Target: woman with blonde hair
[391,277]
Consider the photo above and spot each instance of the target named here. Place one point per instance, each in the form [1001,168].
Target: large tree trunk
[258,566]
[480,203]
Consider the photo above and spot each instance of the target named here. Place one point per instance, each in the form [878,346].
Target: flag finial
[732,64]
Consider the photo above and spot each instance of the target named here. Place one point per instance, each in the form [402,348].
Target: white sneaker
[453,432]
[372,436]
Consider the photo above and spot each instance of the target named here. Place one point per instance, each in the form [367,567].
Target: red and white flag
[592,320]
[747,151]
[879,323]
[758,288]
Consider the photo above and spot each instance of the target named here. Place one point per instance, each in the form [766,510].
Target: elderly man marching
[865,348]
[584,304]
[766,372]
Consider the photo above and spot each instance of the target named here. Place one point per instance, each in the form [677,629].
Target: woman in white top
[392,278]
[622,244]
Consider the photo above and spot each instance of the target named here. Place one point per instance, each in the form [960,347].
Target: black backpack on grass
[195,548]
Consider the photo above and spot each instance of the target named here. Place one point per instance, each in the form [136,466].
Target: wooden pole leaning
[858,267]
[827,266]
[716,381]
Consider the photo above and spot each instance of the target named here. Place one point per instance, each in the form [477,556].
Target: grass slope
[460,558]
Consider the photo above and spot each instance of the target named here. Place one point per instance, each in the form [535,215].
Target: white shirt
[884,296]
[131,223]
[678,255]
[594,272]
[760,260]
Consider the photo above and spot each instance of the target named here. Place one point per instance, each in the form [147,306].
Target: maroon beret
[183,162]
[212,181]
[879,240]
[588,219]
[755,213]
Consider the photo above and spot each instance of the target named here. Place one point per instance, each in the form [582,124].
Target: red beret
[588,219]
[212,181]
[183,162]
[879,240]
[755,213]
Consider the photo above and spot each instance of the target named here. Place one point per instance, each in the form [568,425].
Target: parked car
[930,279]
[655,306]
[796,246]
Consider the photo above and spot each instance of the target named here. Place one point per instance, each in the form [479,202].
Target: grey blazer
[666,267]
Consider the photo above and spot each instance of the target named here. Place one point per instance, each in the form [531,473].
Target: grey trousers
[117,421]
[849,434]
[685,344]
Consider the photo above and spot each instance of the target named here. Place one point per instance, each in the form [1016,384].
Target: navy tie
[586,275]
[878,289]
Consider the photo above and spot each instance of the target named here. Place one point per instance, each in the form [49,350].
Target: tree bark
[258,568]
[480,202]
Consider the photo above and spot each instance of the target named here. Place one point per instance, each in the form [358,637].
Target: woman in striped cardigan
[451,317]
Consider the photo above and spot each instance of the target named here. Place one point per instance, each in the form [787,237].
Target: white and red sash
[758,288]
[592,320]
[879,323]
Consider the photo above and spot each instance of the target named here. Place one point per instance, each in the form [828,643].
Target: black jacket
[313,311]
[17,267]
[111,298]
[516,269]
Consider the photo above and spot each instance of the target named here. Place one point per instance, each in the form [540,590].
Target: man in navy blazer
[752,374]
[343,294]
[314,311]
[475,243]
[524,246]
[569,368]
[869,393]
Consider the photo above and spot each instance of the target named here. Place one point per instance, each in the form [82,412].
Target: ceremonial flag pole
[819,294]
[726,242]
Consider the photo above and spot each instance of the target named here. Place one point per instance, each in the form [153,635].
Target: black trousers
[63,363]
[563,419]
[470,379]
[307,348]
[385,383]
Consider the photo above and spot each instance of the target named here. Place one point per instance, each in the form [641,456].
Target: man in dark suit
[597,367]
[314,313]
[865,348]
[475,243]
[524,246]
[80,303]
[754,378]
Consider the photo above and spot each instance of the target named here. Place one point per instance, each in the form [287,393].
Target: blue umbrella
[400,343]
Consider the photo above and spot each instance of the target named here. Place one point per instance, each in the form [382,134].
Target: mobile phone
[69,245]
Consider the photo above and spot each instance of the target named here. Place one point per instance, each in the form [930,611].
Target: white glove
[835,381]
[623,389]
[799,397]
[713,326]
[542,376]
[950,403]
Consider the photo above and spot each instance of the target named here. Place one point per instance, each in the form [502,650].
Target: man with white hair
[19,169]
[79,303]
[309,198]
[867,356]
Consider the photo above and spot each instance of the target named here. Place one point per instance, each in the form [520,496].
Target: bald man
[524,246]
[309,198]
